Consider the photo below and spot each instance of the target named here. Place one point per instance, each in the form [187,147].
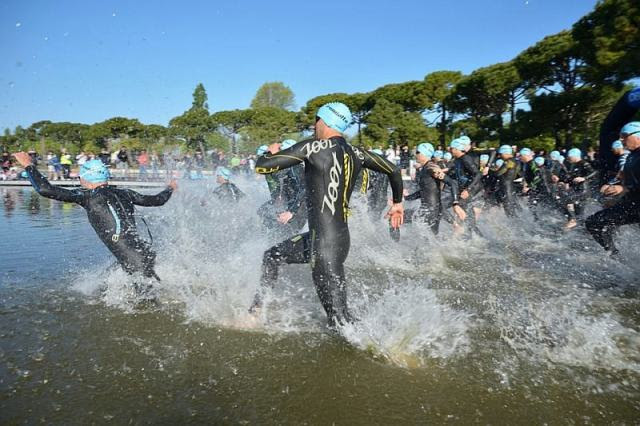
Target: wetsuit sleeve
[271,163]
[589,171]
[44,188]
[475,185]
[413,196]
[379,164]
[150,200]
[453,187]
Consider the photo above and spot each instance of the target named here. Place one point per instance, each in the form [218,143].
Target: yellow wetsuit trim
[382,165]
[365,181]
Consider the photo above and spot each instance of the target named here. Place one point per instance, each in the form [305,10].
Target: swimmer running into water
[110,211]
[331,169]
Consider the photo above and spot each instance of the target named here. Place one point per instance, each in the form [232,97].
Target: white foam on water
[537,288]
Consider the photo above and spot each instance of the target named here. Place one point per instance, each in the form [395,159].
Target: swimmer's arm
[453,187]
[150,200]
[44,188]
[271,163]
[380,164]
[475,184]
[413,196]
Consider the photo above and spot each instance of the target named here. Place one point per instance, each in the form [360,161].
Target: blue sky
[86,61]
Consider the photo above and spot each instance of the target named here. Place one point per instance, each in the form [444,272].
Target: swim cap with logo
[335,115]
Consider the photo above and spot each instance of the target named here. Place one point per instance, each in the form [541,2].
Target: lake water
[528,325]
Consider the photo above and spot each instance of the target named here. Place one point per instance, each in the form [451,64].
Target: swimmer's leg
[293,250]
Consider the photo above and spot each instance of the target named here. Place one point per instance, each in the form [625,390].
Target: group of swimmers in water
[311,183]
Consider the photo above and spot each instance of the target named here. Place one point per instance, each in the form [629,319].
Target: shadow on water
[529,324]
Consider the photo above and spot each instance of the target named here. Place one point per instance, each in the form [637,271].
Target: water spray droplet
[18,24]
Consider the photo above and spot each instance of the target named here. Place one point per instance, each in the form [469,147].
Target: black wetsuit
[622,113]
[429,193]
[603,224]
[578,192]
[331,169]
[111,214]
[505,193]
[228,192]
[466,172]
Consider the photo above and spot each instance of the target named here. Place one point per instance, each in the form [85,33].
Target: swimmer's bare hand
[23,158]
[578,180]
[459,211]
[614,190]
[285,217]
[396,215]
[274,148]
[173,184]
[464,194]
[555,179]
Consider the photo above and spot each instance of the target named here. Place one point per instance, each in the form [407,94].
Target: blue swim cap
[94,171]
[505,149]
[377,151]
[484,158]
[335,115]
[561,159]
[438,154]
[539,161]
[574,152]
[426,149]
[447,156]
[287,143]
[224,173]
[499,162]
[458,144]
[466,140]
[555,155]
[617,145]
[629,128]
[526,151]
[633,98]
[262,149]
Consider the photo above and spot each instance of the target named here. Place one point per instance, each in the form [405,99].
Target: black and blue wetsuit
[331,169]
[110,212]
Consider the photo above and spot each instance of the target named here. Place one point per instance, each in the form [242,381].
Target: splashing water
[526,291]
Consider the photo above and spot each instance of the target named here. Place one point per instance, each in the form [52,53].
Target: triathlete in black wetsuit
[466,172]
[505,175]
[110,211]
[429,178]
[331,169]
[579,173]
[227,191]
[603,224]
